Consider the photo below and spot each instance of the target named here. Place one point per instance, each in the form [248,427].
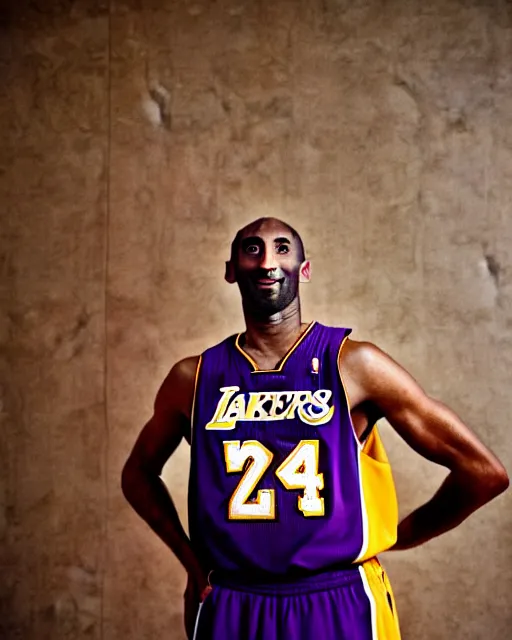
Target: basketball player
[291,495]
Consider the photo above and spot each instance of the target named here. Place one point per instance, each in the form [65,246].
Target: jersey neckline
[254,365]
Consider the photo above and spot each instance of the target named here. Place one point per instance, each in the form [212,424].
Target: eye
[252,249]
[283,248]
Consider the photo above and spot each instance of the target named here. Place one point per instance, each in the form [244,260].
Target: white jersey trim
[373,604]
[196,626]
[364,515]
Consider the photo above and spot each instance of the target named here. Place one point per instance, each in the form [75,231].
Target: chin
[269,308]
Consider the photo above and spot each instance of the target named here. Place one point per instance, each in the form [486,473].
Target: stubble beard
[264,304]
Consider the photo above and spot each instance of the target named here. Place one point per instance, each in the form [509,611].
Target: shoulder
[376,376]
[365,363]
[185,370]
[360,355]
[181,379]
[177,389]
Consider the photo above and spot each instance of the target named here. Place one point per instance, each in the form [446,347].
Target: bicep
[427,425]
[170,421]
[158,440]
[435,431]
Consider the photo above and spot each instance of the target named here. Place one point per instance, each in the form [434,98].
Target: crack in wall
[494,268]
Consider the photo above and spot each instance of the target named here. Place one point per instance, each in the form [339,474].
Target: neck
[275,333]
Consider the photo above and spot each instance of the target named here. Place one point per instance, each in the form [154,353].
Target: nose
[268,259]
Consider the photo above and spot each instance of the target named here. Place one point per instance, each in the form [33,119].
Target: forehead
[267,229]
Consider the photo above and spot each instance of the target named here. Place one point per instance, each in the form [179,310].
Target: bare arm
[141,482]
[432,430]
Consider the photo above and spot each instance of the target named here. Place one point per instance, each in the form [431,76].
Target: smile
[266,283]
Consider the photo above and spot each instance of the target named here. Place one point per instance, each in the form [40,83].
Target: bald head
[256,225]
[267,262]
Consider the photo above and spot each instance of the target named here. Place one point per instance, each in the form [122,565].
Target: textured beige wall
[53,203]
[135,138]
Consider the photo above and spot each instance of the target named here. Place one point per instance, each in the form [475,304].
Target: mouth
[267,283]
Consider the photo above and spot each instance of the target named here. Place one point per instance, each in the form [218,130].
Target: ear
[229,275]
[305,271]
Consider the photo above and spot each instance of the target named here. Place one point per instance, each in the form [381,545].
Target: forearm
[456,499]
[148,495]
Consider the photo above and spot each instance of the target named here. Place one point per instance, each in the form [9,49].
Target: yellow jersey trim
[349,405]
[199,362]
[294,346]
[376,584]
[364,514]
[379,508]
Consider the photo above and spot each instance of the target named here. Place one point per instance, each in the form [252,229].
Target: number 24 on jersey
[298,471]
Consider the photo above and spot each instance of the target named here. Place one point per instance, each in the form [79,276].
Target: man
[291,495]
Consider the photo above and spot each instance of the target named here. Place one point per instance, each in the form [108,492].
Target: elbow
[129,477]
[494,480]
[502,480]
[134,476]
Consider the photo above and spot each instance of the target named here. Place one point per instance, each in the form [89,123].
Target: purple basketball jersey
[275,480]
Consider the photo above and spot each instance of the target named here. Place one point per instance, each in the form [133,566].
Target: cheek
[291,268]
[247,260]
[244,265]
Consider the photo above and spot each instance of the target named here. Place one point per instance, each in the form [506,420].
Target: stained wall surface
[136,138]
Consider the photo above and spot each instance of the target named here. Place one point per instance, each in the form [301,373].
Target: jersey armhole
[347,399]
[193,408]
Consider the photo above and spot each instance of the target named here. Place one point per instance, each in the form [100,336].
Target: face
[267,268]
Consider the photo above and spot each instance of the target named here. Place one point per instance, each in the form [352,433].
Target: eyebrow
[251,239]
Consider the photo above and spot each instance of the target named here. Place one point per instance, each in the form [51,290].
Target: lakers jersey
[279,483]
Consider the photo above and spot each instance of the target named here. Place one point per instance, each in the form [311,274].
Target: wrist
[407,537]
